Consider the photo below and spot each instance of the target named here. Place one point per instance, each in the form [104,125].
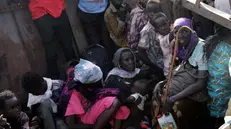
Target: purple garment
[181,52]
[138,19]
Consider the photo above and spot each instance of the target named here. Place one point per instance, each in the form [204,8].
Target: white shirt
[223,5]
[35,99]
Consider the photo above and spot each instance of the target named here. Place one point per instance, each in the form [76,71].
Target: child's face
[162,25]
[139,87]
[11,108]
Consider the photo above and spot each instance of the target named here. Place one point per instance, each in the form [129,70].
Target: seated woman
[92,107]
[188,83]
[218,52]
[124,72]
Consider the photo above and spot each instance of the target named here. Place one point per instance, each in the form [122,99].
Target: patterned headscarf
[181,52]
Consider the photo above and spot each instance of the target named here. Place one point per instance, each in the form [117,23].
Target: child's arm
[129,100]
[32,100]
[133,99]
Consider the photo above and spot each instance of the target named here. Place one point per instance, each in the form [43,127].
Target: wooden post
[208,12]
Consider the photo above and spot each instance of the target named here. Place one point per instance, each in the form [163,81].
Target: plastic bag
[167,121]
[86,72]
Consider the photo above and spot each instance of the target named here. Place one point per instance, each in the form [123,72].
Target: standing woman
[122,75]
[218,52]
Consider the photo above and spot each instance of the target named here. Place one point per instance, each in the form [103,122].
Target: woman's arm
[193,88]
[71,123]
[107,115]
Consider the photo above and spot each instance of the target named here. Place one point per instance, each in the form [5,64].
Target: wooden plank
[208,12]
[76,25]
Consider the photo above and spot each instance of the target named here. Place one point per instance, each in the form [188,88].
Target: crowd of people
[160,66]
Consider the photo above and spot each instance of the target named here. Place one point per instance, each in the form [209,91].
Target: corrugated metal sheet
[21,48]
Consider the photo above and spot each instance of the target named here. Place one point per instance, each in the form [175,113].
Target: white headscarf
[118,70]
[86,72]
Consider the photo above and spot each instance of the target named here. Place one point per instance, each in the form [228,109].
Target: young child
[10,110]
[136,102]
[155,46]
[139,92]
[43,94]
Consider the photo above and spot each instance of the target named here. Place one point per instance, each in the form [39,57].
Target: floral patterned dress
[219,82]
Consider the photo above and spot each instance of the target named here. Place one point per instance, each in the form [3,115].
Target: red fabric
[78,103]
[39,8]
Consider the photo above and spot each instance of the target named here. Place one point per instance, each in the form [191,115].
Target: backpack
[98,55]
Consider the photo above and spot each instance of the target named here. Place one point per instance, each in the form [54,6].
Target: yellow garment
[116,27]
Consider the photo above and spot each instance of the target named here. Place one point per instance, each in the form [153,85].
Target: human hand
[158,91]
[198,3]
[168,105]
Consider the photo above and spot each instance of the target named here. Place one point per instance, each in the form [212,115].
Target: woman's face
[127,61]
[184,36]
